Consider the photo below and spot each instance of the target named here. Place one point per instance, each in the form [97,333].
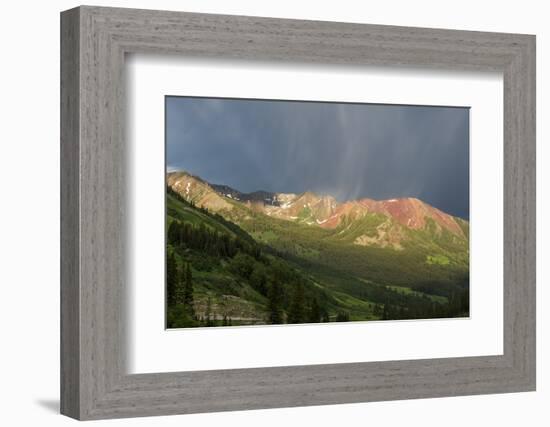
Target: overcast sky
[347,150]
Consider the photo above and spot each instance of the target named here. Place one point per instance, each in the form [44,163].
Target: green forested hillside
[246,268]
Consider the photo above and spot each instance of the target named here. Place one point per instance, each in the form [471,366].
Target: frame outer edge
[529,233]
[70,396]
[520,215]
[532,137]
[90,364]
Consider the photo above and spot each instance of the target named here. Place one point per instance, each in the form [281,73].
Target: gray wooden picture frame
[94,381]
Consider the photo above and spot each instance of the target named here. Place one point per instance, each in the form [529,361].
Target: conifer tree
[386,311]
[174,233]
[314,315]
[342,316]
[172,279]
[188,290]
[274,296]
[208,312]
[296,311]
[179,293]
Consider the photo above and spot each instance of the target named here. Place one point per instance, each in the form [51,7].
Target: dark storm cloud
[347,150]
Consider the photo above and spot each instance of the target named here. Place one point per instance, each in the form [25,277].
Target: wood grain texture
[94,272]
[70,314]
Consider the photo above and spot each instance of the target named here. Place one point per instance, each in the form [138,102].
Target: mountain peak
[311,208]
[195,190]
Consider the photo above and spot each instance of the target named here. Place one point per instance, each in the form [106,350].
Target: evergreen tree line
[458,304]
[399,305]
[179,294]
[290,297]
[208,240]
[238,231]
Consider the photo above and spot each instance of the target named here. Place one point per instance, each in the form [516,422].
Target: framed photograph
[262,213]
[240,252]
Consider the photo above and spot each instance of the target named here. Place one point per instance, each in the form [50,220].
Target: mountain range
[308,208]
[359,259]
